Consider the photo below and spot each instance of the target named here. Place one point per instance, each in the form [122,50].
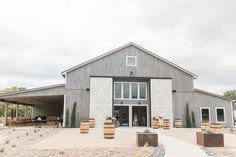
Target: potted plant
[210,139]
[147,138]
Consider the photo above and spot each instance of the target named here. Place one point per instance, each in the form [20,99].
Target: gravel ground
[18,142]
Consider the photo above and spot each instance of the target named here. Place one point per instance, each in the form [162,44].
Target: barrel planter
[205,126]
[166,124]
[109,119]
[109,129]
[91,122]
[84,127]
[146,138]
[215,128]
[210,140]
[178,123]
[155,123]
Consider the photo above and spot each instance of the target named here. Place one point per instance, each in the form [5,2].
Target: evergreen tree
[67,118]
[193,120]
[187,117]
[73,116]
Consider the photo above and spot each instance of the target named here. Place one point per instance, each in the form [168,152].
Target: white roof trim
[212,94]
[135,45]
[32,90]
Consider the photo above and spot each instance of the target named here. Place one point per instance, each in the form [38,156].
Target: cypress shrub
[67,118]
[73,116]
[193,120]
[187,117]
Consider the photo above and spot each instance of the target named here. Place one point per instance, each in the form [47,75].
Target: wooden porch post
[25,112]
[5,113]
[17,111]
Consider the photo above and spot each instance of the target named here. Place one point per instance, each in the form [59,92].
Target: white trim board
[209,109]
[217,116]
[130,90]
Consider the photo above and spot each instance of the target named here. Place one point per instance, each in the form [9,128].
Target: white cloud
[39,39]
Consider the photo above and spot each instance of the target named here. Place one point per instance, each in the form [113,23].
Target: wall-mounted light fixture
[174,91]
[121,102]
[87,89]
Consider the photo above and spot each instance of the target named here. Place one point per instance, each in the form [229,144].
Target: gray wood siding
[115,65]
[196,100]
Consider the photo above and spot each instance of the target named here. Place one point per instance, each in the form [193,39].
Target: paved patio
[125,137]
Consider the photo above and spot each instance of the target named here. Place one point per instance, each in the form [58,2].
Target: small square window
[131,61]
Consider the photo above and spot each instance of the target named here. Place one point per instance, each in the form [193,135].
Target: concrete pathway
[125,137]
[72,139]
[173,147]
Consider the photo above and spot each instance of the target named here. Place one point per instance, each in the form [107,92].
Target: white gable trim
[135,45]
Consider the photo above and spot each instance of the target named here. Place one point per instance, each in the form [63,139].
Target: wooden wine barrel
[109,129]
[178,123]
[166,124]
[205,126]
[109,119]
[155,123]
[91,122]
[84,127]
[215,127]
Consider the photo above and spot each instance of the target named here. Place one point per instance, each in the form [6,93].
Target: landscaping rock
[159,151]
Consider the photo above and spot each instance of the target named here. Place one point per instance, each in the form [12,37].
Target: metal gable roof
[124,46]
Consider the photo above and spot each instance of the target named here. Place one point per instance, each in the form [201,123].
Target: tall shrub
[193,120]
[73,116]
[67,118]
[187,117]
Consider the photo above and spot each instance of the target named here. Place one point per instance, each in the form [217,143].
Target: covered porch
[48,102]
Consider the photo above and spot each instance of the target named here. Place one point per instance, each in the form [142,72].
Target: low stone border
[159,151]
[208,152]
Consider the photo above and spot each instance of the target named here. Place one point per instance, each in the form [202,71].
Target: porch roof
[48,95]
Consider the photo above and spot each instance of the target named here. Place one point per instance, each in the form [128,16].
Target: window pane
[142,91]
[131,61]
[117,90]
[134,90]
[205,115]
[126,90]
[220,115]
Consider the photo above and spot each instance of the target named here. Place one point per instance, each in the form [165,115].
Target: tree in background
[73,116]
[187,117]
[193,120]
[12,107]
[231,94]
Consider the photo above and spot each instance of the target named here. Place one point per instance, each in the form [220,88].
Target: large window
[220,115]
[130,90]
[126,90]
[205,114]
[142,90]
[134,90]
[118,90]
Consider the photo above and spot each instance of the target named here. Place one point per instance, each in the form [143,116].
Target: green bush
[193,120]
[187,117]
[67,118]
[73,116]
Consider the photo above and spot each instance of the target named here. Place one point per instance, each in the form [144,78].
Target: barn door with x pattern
[161,99]
[100,99]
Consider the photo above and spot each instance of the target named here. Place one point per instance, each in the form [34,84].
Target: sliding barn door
[100,99]
[161,99]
